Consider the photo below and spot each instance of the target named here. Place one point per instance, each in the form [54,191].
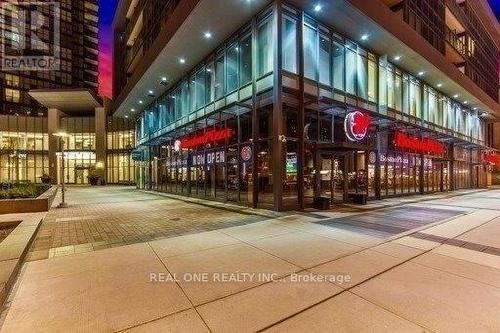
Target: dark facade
[136,34]
[78,60]
[455,29]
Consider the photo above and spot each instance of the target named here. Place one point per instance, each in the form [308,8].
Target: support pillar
[53,127]
[100,142]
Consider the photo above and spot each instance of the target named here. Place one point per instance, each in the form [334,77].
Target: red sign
[418,145]
[210,136]
[492,158]
[356,125]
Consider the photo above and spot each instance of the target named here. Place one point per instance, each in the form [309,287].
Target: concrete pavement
[315,272]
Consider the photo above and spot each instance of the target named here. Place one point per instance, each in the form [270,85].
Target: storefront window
[372,78]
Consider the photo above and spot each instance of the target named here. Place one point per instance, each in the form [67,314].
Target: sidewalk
[288,273]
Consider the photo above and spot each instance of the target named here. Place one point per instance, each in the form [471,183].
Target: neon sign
[492,158]
[356,125]
[418,145]
[210,136]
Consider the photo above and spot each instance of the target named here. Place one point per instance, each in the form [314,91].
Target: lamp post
[61,136]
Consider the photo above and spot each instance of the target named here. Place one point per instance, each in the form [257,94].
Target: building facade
[78,43]
[294,104]
[97,142]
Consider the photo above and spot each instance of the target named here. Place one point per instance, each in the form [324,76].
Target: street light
[61,136]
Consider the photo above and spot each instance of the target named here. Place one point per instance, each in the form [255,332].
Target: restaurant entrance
[341,175]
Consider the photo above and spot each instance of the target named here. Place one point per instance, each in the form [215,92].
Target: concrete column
[100,141]
[53,126]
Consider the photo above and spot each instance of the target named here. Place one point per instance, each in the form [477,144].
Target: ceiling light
[317,8]
[455,96]
[364,37]
[182,60]
[163,80]
[484,114]
[420,73]
[474,108]
[140,102]
[397,58]
[207,35]
[132,110]
[465,102]
[439,85]
[126,116]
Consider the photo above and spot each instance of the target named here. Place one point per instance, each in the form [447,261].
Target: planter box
[29,205]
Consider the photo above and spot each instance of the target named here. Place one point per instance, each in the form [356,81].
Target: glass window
[310,47]
[232,68]
[362,73]
[350,71]
[210,82]
[390,88]
[200,88]
[398,90]
[372,79]
[219,77]
[289,52]
[338,66]
[324,61]
[264,48]
[245,60]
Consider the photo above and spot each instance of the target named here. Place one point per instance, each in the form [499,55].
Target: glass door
[331,177]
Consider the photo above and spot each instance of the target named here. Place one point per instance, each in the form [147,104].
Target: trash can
[359,198]
[322,203]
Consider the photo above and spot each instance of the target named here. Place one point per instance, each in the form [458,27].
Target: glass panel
[310,50]
[232,68]
[338,66]
[324,61]
[350,71]
[264,48]
[289,52]
[246,60]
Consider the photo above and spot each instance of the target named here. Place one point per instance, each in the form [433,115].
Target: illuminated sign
[208,158]
[418,145]
[356,125]
[492,158]
[210,136]
[246,153]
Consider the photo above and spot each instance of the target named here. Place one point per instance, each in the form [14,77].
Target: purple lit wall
[106,13]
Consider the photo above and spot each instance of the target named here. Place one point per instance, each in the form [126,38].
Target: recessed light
[474,108]
[140,102]
[420,73]
[182,60]
[132,110]
[397,58]
[455,96]
[207,35]
[209,70]
[465,102]
[151,92]
[439,85]
[317,8]
[126,116]
[364,37]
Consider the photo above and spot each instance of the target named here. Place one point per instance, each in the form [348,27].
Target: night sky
[106,10]
[495,5]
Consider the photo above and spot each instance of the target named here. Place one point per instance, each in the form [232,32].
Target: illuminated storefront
[252,124]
